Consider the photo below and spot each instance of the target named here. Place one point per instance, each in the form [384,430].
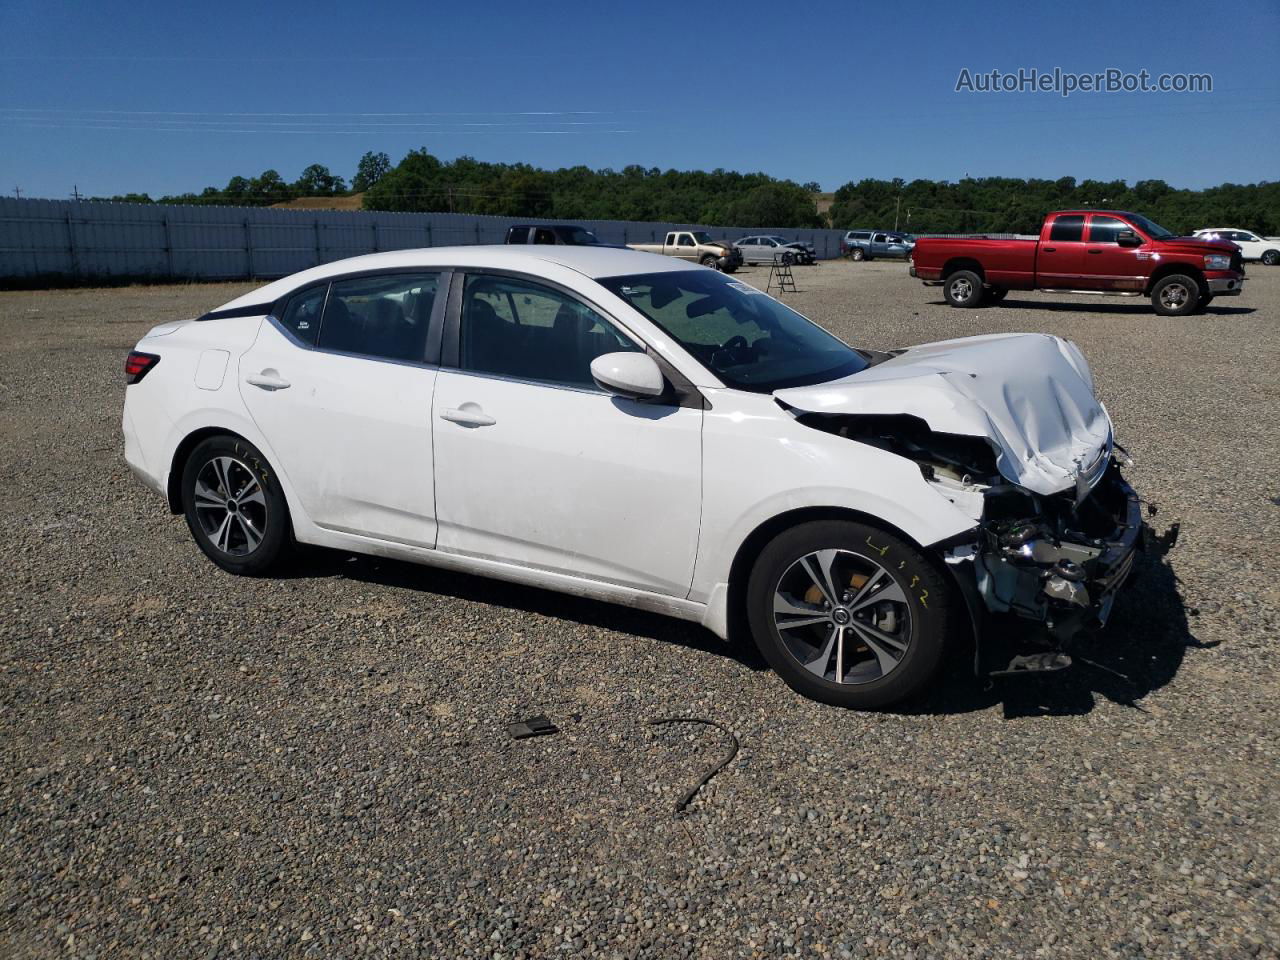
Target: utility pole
[896,207]
[75,192]
[17,192]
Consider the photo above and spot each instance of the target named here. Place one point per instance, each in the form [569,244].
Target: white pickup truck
[696,245]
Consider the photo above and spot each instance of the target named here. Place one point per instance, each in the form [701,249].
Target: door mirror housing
[633,376]
[1127,238]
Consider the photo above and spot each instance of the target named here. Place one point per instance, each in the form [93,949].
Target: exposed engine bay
[1055,562]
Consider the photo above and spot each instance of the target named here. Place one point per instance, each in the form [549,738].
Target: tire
[1175,295]
[916,614]
[996,294]
[254,506]
[857,253]
[1271,257]
[709,260]
[963,289]
[788,259]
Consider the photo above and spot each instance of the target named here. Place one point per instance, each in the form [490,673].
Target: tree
[317,181]
[373,167]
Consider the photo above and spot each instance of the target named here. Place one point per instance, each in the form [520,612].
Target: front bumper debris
[1047,578]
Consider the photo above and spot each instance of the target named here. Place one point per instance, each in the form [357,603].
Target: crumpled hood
[1029,394]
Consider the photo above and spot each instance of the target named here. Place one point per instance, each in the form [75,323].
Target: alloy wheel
[1174,295]
[842,616]
[961,288]
[230,506]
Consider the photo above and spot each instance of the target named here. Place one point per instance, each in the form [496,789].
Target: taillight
[137,365]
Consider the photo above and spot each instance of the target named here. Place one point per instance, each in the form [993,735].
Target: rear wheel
[848,614]
[1175,295]
[857,253]
[1271,257]
[234,506]
[963,289]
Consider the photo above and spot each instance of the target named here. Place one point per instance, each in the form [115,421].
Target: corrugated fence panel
[97,240]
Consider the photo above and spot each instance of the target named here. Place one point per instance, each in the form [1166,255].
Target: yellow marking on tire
[883,550]
[922,599]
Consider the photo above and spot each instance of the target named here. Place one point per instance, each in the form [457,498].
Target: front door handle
[468,415]
[1048,249]
[267,380]
[1095,251]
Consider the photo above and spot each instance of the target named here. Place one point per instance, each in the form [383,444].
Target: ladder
[781,274]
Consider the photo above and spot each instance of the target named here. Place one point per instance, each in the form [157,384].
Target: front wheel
[1175,296]
[711,261]
[1271,257]
[848,614]
[788,259]
[963,289]
[235,507]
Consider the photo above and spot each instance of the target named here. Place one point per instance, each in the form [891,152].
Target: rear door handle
[267,380]
[468,415]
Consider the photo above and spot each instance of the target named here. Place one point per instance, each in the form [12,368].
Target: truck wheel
[1271,257]
[996,294]
[963,289]
[1175,295]
[710,261]
[857,253]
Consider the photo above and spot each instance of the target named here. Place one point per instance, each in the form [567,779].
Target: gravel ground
[195,765]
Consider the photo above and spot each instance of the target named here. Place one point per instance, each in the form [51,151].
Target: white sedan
[629,427]
[1252,246]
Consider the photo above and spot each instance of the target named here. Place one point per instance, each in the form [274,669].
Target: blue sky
[166,97]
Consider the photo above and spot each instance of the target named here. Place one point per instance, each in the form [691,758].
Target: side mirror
[1127,238]
[632,376]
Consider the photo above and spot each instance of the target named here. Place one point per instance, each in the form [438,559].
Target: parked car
[775,249]
[630,428]
[869,244]
[1086,251]
[556,233]
[695,245]
[1252,246]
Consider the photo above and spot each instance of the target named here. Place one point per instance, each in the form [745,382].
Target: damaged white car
[624,426]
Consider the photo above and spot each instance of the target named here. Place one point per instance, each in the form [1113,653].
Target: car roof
[590,261]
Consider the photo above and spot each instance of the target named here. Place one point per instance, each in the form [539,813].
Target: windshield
[1153,230]
[747,339]
[702,237]
[578,236]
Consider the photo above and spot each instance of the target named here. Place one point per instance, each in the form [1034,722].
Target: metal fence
[92,240]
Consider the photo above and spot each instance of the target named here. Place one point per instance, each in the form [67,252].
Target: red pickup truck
[1085,251]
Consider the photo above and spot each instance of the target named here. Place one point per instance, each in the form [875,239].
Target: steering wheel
[728,354]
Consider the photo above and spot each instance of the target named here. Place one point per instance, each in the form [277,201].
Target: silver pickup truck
[696,245]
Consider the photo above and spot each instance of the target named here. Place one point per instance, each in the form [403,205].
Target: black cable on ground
[689,794]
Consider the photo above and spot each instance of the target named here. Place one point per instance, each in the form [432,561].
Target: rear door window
[384,317]
[518,235]
[1068,229]
[543,235]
